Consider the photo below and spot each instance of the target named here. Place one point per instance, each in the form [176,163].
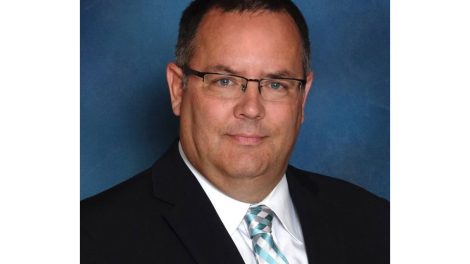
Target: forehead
[244,39]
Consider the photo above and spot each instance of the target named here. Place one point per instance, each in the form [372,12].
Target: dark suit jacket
[163,215]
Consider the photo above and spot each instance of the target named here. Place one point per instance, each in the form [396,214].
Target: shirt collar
[231,212]
[280,202]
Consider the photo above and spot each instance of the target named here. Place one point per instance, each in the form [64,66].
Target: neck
[248,190]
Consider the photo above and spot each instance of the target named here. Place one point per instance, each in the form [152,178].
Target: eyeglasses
[229,86]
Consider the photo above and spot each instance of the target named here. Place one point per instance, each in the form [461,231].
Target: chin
[246,167]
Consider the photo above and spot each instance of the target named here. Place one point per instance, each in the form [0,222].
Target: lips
[247,140]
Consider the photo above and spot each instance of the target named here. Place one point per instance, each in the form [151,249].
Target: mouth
[247,140]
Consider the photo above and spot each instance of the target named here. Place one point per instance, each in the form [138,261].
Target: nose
[250,105]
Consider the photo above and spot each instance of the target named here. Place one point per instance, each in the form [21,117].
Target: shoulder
[347,206]
[128,192]
[139,188]
[334,191]
[354,220]
[126,224]
[122,205]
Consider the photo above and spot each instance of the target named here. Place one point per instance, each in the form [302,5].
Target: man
[224,193]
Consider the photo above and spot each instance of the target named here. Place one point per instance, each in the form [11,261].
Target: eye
[275,85]
[224,82]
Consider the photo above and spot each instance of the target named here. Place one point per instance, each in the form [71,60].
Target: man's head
[240,138]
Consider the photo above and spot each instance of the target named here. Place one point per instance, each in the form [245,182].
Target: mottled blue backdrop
[126,118]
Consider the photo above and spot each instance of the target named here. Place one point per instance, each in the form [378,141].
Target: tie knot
[259,220]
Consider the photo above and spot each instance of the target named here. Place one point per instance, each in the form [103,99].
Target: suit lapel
[192,216]
[321,240]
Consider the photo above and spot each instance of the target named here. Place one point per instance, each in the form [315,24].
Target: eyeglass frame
[187,70]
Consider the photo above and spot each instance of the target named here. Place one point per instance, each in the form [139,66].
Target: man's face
[247,138]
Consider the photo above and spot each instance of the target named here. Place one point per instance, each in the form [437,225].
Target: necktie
[259,219]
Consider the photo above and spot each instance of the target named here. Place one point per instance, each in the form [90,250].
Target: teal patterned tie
[259,219]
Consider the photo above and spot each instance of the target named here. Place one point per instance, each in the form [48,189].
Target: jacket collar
[322,241]
[191,214]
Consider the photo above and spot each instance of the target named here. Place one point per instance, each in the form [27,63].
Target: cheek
[208,116]
[285,119]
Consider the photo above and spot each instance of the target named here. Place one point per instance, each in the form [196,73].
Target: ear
[308,85]
[174,77]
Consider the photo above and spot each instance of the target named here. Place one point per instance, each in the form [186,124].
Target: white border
[430,132]
[39,142]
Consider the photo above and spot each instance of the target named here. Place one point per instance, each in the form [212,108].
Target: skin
[242,145]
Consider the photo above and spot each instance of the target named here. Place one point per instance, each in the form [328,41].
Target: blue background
[126,118]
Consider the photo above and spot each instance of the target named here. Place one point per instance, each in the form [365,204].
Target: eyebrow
[281,74]
[222,68]
[226,69]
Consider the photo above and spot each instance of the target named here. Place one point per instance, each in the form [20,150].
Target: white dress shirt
[286,230]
